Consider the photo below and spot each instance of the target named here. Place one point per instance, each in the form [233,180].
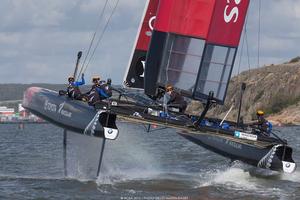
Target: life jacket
[107,89]
[93,95]
[176,100]
[73,91]
[270,127]
[264,125]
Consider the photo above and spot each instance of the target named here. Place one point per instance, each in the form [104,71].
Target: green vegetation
[279,102]
[294,60]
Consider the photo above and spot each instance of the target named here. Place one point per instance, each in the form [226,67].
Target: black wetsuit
[177,101]
[262,124]
[98,93]
[73,89]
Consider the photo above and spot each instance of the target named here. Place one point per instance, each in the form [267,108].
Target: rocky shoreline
[273,89]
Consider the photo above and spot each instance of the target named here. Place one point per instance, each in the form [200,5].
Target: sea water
[138,165]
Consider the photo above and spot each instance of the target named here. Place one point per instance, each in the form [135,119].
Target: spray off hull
[70,114]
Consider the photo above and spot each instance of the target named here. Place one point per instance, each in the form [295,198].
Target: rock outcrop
[274,89]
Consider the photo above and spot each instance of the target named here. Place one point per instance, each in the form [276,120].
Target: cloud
[279,32]
[39,39]
[16,14]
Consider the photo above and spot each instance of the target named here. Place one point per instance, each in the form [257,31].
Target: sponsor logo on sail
[143,63]
[233,13]
[151,23]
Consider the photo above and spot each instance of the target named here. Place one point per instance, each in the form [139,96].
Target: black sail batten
[153,62]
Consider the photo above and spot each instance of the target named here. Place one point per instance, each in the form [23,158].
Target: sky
[39,39]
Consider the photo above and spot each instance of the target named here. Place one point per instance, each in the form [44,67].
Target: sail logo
[151,26]
[143,63]
[151,23]
[232,14]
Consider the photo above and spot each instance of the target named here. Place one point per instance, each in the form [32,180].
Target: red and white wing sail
[193,46]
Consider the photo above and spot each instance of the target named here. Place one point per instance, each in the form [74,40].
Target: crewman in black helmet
[176,100]
[73,87]
[106,87]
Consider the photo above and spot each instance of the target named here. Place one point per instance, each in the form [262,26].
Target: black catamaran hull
[277,157]
[70,114]
[263,152]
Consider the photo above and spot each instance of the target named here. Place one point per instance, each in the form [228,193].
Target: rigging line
[101,36]
[242,47]
[247,45]
[258,36]
[241,53]
[248,57]
[240,60]
[93,38]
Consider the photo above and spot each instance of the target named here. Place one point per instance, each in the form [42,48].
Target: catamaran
[192,45]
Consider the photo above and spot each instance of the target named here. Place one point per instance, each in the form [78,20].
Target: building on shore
[6,113]
[9,115]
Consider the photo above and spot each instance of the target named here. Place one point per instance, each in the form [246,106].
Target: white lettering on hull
[51,107]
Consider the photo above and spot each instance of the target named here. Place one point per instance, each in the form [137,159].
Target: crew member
[176,100]
[262,124]
[97,92]
[73,87]
[106,87]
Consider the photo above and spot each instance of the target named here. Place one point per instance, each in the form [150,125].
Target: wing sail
[195,50]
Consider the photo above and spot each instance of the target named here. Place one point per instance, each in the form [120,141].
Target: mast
[134,75]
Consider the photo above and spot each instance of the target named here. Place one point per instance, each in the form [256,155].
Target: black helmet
[108,81]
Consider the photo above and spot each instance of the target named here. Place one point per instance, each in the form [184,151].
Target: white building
[4,111]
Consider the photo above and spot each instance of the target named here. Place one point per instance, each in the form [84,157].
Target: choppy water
[138,165]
